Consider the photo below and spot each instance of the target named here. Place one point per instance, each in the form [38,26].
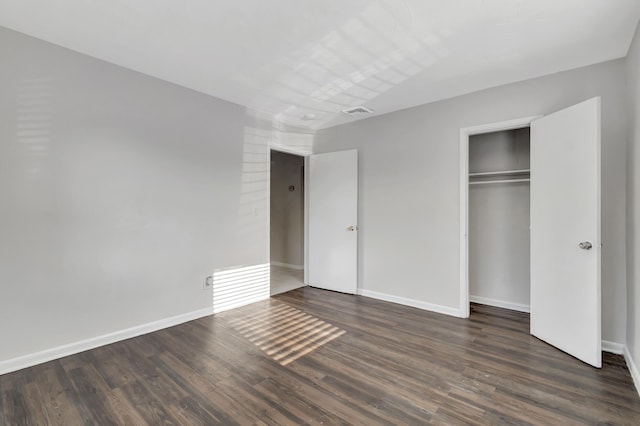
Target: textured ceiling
[289,58]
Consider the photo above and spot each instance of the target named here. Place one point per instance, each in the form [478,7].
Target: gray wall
[287,209]
[633,200]
[409,184]
[119,193]
[499,220]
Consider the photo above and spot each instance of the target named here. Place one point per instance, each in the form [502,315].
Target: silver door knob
[352,228]
[585,245]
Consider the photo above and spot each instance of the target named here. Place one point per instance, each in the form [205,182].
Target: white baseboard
[635,375]
[410,302]
[613,347]
[500,303]
[36,358]
[288,265]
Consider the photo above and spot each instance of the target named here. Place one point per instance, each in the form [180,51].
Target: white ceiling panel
[291,58]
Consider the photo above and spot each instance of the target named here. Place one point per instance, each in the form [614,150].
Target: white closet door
[333,215]
[565,230]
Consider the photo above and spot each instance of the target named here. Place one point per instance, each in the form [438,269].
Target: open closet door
[565,230]
[333,215]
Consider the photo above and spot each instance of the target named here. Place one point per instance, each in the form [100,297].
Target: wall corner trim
[441,309]
[29,360]
[635,375]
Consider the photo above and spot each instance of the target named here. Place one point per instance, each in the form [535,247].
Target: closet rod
[482,182]
[501,172]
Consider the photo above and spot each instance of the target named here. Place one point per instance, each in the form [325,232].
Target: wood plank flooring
[349,360]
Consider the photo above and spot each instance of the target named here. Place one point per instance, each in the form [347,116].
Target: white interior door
[565,230]
[333,216]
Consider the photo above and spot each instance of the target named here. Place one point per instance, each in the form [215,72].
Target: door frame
[305,155]
[465,133]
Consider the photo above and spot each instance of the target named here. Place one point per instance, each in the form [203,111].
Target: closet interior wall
[499,264]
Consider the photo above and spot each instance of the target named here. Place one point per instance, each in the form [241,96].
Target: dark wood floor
[316,357]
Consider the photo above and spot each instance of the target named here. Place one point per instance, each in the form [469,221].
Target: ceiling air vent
[357,110]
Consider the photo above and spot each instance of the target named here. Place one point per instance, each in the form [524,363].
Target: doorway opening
[494,216]
[287,221]
[499,212]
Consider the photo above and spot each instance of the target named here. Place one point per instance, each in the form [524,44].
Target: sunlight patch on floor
[285,333]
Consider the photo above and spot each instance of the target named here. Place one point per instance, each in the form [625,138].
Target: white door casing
[465,134]
[565,212]
[332,226]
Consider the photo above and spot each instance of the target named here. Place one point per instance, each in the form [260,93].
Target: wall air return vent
[357,110]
